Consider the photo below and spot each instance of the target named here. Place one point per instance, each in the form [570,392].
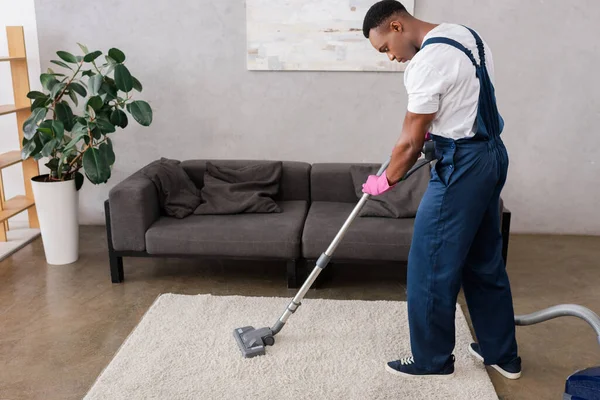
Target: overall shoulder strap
[453,43]
[479,43]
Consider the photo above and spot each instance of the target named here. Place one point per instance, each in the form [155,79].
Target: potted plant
[70,124]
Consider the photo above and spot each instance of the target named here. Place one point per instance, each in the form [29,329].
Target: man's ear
[396,26]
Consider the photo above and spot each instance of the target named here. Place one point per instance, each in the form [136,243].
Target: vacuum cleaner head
[252,341]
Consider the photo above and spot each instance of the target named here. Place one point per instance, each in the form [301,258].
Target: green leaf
[73,143]
[62,64]
[49,148]
[28,149]
[119,118]
[78,88]
[96,166]
[110,90]
[92,56]
[136,84]
[95,102]
[66,56]
[105,126]
[73,97]
[97,133]
[79,128]
[95,83]
[83,48]
[57,89]
[65,114]
[116,55]
[52,164]
[58,128]
[123,78]
[111,68]
[79,179]
[48,81]
[91,112]
[37,103]
[141,112]
[108,153]
[31,124]
[88,72]
[36,95]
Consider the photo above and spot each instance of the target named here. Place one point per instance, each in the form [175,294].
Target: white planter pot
[57,205]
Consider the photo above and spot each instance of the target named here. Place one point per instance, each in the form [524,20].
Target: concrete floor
[61,325]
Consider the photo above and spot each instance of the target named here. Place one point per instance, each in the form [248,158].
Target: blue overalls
[457,239]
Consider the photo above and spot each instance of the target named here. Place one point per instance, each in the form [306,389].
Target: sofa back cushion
[333,181]
[293,185]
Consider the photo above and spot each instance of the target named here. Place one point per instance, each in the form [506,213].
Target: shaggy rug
[184,348]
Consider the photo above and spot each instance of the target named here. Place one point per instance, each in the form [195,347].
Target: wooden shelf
[14,206]
[21,107]
[11,58]
[10,158]
[11,108]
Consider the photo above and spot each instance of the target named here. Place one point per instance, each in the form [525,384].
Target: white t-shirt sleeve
[425,86]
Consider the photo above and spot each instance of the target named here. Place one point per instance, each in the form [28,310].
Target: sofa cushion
[177,195]
[294,183]
[248,189]
[276,235]
[367,238]
[402,201]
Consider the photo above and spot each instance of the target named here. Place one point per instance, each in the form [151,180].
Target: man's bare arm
[409,145]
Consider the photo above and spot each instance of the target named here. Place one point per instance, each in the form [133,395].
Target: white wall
[16,13]
[190,56]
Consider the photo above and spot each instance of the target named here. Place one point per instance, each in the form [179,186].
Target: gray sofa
[315,201]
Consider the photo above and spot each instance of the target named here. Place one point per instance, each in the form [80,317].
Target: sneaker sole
[508,375]
[398,373]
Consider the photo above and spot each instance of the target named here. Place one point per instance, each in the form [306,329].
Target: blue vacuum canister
[583,385]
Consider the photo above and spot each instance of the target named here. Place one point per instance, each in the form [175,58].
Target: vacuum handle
[384,166]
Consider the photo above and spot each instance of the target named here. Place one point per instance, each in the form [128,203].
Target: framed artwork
[312,35]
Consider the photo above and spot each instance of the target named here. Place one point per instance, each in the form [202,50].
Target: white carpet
[330,349]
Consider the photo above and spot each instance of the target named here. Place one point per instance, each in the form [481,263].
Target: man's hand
[404,155]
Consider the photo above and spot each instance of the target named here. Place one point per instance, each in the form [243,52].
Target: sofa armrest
[134,206]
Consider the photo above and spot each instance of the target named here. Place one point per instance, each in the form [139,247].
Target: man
[457,239]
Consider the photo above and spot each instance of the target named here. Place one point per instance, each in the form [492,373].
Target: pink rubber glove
[377,185]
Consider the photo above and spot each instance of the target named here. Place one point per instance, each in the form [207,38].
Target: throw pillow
[249,189]
[400,202]
[178,195]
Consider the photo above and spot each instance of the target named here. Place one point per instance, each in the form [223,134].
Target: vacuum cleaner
[581,385]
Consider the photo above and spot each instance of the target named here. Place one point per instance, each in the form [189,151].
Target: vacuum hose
[561,310]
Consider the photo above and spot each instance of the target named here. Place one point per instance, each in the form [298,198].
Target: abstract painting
[312,35]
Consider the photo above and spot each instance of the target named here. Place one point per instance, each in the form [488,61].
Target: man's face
[391,39]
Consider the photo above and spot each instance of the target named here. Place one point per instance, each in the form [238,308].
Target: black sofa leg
[116,263]
[116,269]
[292,274]
[505,234]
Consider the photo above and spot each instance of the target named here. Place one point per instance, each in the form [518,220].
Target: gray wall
[190,56]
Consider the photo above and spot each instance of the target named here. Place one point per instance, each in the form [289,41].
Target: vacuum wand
[252,341]
[428,151]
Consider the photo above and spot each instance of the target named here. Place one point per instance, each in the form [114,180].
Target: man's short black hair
[379,12]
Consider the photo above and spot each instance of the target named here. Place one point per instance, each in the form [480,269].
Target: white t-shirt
[441,78]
